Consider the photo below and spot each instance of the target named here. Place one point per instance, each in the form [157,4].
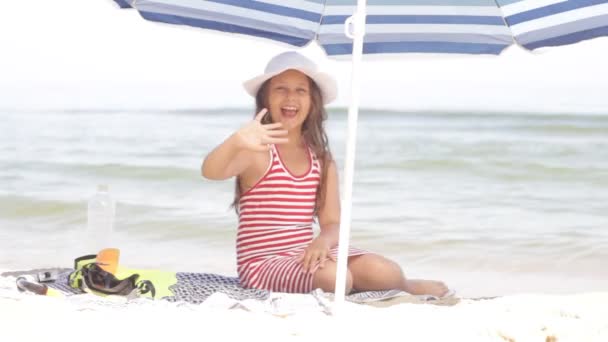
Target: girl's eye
[302,91]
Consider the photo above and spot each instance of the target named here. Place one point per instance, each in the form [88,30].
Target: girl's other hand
[257,137]
[316,252]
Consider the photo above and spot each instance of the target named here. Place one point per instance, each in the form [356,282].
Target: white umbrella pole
[358,22]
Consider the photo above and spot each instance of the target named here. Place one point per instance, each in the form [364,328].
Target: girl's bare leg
[374,272]
[325,278]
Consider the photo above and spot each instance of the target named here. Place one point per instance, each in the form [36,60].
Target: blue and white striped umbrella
[464,26]
[433,26]
[393,26]
[293,22]
[539,23]
[357,27]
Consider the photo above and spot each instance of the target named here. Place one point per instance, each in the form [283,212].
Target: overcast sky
[74,54]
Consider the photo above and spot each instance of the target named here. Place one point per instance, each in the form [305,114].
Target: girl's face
[289,99]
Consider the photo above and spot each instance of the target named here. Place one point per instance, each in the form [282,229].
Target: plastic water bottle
[100,219]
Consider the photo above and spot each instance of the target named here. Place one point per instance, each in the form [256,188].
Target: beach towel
[195,288]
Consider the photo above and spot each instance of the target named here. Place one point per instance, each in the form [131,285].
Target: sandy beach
[525,317]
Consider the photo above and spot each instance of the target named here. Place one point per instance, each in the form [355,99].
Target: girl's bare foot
[426,287]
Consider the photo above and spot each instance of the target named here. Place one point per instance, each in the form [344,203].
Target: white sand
[533,317]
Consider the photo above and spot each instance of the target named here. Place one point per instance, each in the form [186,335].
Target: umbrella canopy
[445,26]
[463,26]
[356,27]
[393,26]
[540,23]
[292,22]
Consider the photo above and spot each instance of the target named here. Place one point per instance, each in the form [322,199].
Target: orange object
[107,259]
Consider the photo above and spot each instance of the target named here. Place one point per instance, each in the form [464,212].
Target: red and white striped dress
[275,226]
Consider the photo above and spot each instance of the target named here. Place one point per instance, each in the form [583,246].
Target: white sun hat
[293,60]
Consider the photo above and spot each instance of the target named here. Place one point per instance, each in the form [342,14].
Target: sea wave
[502,170]
[147,220]
[105,170]
[28,208]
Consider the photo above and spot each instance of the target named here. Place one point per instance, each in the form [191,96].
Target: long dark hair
[313,132]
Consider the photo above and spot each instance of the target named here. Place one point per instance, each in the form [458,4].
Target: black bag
[88,275]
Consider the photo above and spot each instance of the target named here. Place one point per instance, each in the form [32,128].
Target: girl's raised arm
[233,156]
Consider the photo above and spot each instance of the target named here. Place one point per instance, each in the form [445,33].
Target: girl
[286,177]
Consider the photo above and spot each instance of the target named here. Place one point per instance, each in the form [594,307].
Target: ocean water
[491,203]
